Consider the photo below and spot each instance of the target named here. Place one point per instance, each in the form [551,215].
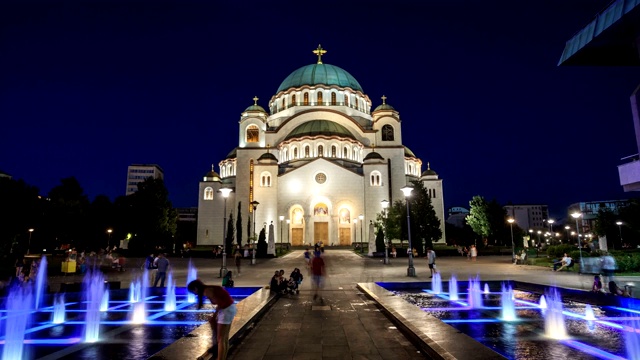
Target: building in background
[589,210]
[613,39]
[457,216]
[529,216]
[188,214]
[138,173]
[317,165]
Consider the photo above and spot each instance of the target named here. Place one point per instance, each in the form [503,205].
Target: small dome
[212,174]
[429,172]
[320,127]
[373,156]
[319,74]
[255,108]
[384,105]
[408,153]
[267,156]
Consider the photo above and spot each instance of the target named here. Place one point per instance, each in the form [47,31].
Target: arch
[295,152]
[297,216]
[375,179]
[284,154]
[321,209]
[305,99]
[345,153]
[346,99]
[334,151]
[355,153]
[387,133]
[293,99]
[284,104]
[345,216]
[208,193]
[265,179]
[252,134]
[333,98]
[307,149]
[320,150]
[319,97]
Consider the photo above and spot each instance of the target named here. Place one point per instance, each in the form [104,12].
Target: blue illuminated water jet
[192,274]
[19,310]
[453,288]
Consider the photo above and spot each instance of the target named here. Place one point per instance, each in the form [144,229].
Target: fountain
[508,305]
[486,288]
[18,317]
[170,295]
[554,325]
[632,339]
[104,304]
[543,303]
[474,295]
[59,309]
[436,284]
[192,274]
[453,288]
[93,290]
[139,315]
[41,281]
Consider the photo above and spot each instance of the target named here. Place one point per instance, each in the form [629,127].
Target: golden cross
[428,166]
[268,147]
[319,51]
[384,99]
[255,100]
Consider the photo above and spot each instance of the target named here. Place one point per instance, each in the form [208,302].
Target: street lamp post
[538,247]
[411,271]
[385,205]
[254,204]
[288,231]
[566,229]
[223,269]
[530,236]
[513,247]
[109,231]
[355,230]
[281,217]
[550,222]
[576,215]
[619,223]
[361,217]
[29,245]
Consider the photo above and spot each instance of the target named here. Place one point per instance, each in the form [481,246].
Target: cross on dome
[255,100]
[319,51]
[384,99]
[428,166]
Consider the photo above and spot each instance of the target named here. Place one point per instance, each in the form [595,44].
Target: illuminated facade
[319,158]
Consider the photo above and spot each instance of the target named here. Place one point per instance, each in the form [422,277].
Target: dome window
[333,98]
[208,193]
[345,152]
[306,151]
[320,98]
[387,133]
[295,153]
[253,134]
[305,99]
[284,106]
[333,151]
[284,154]
[346,99]
[293,99]
[320,151]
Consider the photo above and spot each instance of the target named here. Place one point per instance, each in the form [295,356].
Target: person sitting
[559,265]
[597,285]
[296,277]
[521,257]
[283,287]
[227,280]
[274,285]
[615,290]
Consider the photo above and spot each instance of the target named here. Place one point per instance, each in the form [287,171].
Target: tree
[605,225]
[239,226]
[262,244]
[21,209]
[229,235]
[487,219]
[67,214]
[630,217]
[427,225]
[380,240]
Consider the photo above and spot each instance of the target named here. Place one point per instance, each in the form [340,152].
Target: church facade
[316,165]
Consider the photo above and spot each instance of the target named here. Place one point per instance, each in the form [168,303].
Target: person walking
[223,317]
[161,263]
[238,260]
[317,276]
[431,259]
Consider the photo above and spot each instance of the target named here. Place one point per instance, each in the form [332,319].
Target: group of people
[24,272]
[613,287]
[281,285]
[161,265]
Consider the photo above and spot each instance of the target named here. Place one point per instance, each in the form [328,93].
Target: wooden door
[296,236]
[321,233]
[345,236]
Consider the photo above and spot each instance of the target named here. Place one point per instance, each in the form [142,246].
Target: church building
[316,164]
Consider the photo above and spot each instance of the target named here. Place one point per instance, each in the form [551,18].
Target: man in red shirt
[220,321]
[317,275]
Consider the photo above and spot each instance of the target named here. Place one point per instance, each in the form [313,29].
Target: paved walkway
[349,326]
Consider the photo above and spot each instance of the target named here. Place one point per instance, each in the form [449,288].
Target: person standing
[307,258]
[317,274]
[223,317]
[431,259]
[162,265]
[473,252]
[608,267]
[238,260]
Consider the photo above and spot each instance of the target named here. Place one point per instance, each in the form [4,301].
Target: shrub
[557,251]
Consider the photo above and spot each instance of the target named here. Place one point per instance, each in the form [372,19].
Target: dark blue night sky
[89,87]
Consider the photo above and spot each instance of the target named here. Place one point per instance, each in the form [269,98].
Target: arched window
[295,153]
[208,193]
[284,105]
[293,99]
[284,154]
[357,103]
[305,99]
[265,179]
[320,150]
[319,97]
[333,98]
[345,153]
[387,133]
[346,99]
[253,134]
[333,151]
[376,178]
[229,173]
[355,154]
[306,151]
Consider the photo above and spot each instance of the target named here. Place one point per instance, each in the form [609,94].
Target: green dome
[324,74]
[320,127]
[384,107]
[255,108]
[408,153]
